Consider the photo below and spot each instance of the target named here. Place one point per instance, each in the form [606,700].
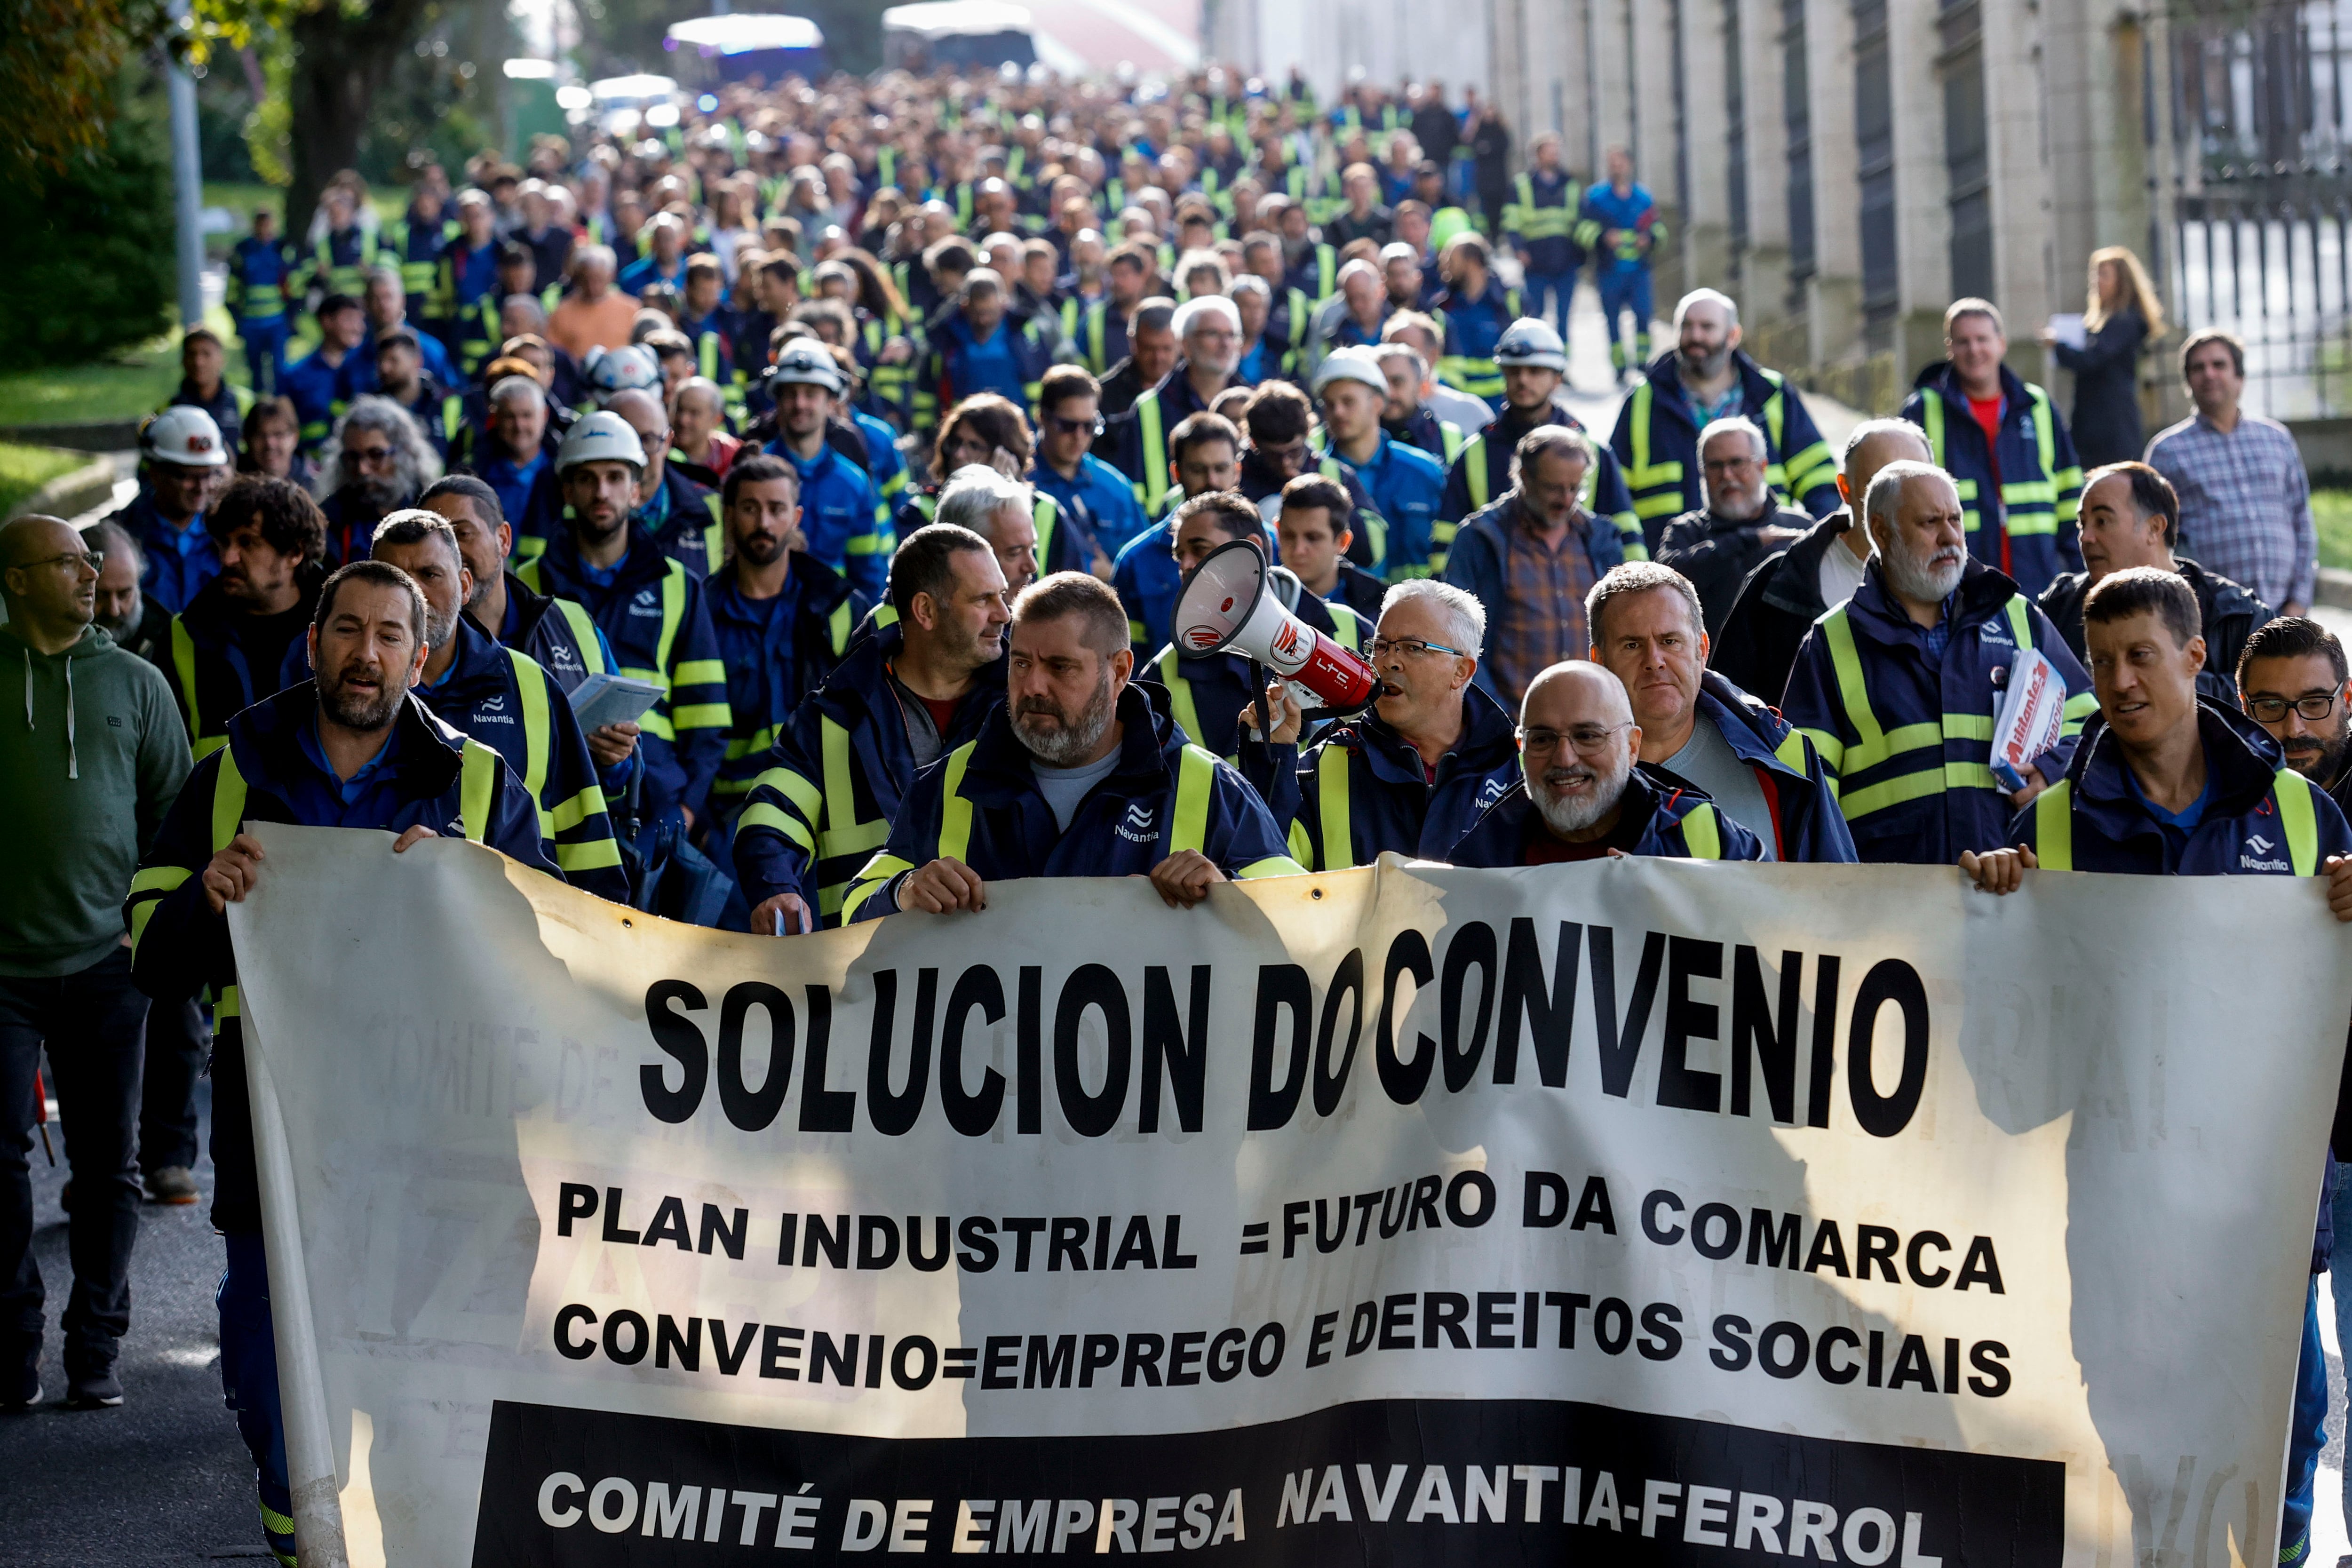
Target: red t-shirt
[943,711]
[1987,411]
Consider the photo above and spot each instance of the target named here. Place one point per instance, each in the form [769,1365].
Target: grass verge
[23,469]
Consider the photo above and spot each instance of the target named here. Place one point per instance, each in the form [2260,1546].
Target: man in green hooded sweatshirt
[90,762]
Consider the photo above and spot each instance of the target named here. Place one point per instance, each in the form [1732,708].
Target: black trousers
[93,1023]
[176,1046]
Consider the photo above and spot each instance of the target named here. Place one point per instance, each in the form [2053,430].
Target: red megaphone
[1225,608]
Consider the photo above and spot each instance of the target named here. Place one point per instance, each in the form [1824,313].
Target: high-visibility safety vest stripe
[1179,693]
[2053,826]
[184,662]
[532,686]
[955,811]
[1196,771]
[1154,483]
[843,833]
[876,875]
[1702,834]
[1043,517]
[2293,792]
[1874,744]
[1331,778]
[159,880]
[229,802]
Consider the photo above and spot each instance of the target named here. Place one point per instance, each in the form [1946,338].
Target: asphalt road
[163,1480]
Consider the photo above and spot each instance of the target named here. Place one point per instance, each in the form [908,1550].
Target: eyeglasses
[93,559]
[2273,709]
[1588,739]
[1076,426]
[1409,647]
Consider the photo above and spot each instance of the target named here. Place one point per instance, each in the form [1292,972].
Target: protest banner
[1638,1211]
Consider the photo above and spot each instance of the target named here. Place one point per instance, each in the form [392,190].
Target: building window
[1796,99]
[1874,134]
[1968,163]
[1735,110]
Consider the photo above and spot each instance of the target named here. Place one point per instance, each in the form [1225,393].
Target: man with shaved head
[1584,794]
[79,799]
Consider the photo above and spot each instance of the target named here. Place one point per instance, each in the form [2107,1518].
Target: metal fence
[2261,198]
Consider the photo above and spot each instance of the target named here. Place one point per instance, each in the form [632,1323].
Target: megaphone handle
[1264,712]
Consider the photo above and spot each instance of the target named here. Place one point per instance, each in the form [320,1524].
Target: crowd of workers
[776,523]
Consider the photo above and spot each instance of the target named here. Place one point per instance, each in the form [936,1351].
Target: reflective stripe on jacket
[1908,739]
[982,807]
[1657,439]
[2032,537]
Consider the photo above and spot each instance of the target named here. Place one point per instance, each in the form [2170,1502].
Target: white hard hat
[600,438]
[632,367]
[805,362]
[1528,341]
[1351,364]
[184,436]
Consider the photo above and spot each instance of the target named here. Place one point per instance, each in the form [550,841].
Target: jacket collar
[1796,583]
[2241,764]
[1664,376]
[424,753]
[1489,739]
[818,586]
[643,563]
[1944,382]
[1511,424]
[480,667]
[1646,791]
[1751,729]
[1875,611]
[1000,772]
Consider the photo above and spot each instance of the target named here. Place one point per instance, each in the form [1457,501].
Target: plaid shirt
[2246,504]
[1543,606]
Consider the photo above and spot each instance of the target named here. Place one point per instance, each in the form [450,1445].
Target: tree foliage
[90,241]
[59,62]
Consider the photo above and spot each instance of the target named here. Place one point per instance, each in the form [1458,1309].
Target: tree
[343,55]
[88,276]
[59,62]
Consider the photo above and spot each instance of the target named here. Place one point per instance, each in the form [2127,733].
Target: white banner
[1653,1211]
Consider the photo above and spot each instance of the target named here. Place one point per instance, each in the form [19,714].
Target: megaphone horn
[1226,608]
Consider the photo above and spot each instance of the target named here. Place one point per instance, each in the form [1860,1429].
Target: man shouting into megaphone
[1078,774]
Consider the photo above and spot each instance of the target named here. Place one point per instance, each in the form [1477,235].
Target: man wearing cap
[1209,333]
[1405,483]
[979,345]
[1534,363]
[843,521]
[180,453]
[649,608]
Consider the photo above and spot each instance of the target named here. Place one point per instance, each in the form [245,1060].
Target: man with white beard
[1078,774]
[1585,795]
[1899,687]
